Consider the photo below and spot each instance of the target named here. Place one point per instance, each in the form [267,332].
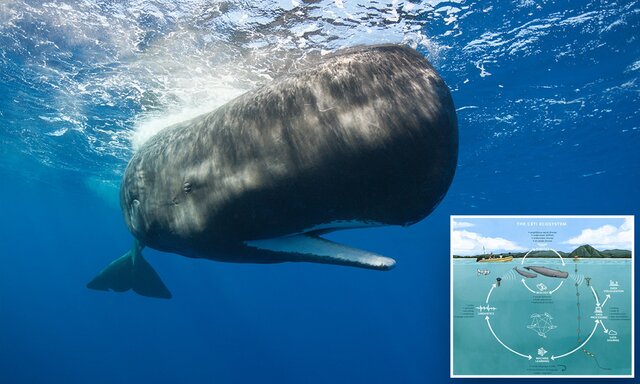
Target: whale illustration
[549,272]
[526,274]
[365,137]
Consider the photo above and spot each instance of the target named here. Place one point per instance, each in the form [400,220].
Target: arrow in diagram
[489,295]
[580,346]
[606,298]
[503,344]
[558,287]
[530,290]
[595,295]
[603,327]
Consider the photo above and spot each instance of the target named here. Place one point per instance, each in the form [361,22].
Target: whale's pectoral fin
[315,249]
[131,271]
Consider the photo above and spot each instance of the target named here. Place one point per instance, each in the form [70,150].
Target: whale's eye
[187,187]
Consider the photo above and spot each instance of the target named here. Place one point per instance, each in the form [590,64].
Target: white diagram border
[463,217]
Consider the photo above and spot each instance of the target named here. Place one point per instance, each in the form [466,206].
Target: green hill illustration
[585,251]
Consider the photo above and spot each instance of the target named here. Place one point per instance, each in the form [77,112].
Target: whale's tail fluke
[131,271]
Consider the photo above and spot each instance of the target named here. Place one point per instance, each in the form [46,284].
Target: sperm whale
[526,274]
[549,272]
[366,136]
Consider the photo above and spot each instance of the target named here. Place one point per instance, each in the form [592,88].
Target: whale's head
[145,198]
[161,203]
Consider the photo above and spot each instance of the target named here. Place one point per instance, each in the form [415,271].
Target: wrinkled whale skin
[369,136]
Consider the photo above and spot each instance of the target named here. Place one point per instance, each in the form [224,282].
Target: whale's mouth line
[340,224]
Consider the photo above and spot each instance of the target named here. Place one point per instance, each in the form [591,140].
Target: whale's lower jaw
[314,249]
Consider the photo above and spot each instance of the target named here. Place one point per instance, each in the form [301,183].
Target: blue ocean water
[547,96]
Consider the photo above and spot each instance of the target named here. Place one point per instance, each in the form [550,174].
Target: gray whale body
[526,274]
[365,137]
[549,272]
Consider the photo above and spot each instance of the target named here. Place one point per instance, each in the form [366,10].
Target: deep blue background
[227,323]
[525,148]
